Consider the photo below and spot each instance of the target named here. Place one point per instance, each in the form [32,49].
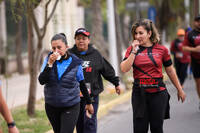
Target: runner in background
[192,44]
[189,71]
[181,58]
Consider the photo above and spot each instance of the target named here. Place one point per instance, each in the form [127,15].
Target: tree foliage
[168,11]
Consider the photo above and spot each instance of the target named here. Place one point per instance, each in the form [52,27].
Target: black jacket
[94,66]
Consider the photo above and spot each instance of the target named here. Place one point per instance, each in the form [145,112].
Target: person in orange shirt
[181,58]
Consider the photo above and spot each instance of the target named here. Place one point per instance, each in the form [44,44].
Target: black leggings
[181,71]
[195,68]
[63,119]
[154,114]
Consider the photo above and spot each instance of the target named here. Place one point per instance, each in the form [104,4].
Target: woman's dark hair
[60,36]
[149,26]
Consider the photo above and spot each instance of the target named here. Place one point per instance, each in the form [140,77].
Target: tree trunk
[196,7]
[126,30]
[18,38]
[164,11]
[18,50]
[34,59]
[34,53]
[32,90]
[97,29]
[32,85]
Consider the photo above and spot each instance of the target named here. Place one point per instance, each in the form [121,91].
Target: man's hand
[197,48]
[191,49]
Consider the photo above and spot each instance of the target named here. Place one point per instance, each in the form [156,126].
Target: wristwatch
[11,124]
[133,52]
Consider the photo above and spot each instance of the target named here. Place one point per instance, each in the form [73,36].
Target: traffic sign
[152,13]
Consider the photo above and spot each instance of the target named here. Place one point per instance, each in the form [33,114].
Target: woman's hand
[13,130]
[90,109]
[52,58]
[181,95]
[135,45]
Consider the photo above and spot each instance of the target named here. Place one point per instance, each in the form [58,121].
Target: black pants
[85,124]
[181,70]
[154,114]
[195,68]
[62,119]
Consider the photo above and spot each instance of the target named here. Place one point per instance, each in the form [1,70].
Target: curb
[104,109]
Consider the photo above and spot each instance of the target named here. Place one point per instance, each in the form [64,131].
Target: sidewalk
[16,88]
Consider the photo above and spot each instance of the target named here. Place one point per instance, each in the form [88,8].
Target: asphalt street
[185,117]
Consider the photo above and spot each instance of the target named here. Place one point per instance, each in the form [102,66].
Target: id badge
[179,54]
[88,86]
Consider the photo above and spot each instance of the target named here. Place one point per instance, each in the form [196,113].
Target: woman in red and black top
[150,99]
[192,44]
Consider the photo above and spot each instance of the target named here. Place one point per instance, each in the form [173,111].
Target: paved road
[119,120]
[185,118]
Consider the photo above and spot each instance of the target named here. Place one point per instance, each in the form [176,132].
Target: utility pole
[112,35]
[3,43]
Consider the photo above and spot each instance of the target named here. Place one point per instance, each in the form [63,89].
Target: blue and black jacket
[63,91]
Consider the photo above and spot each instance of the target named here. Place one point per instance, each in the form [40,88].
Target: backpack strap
[149,50]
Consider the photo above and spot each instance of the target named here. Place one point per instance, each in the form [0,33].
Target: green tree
[168,11]
[34,48]
[99,17]
[34,52]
